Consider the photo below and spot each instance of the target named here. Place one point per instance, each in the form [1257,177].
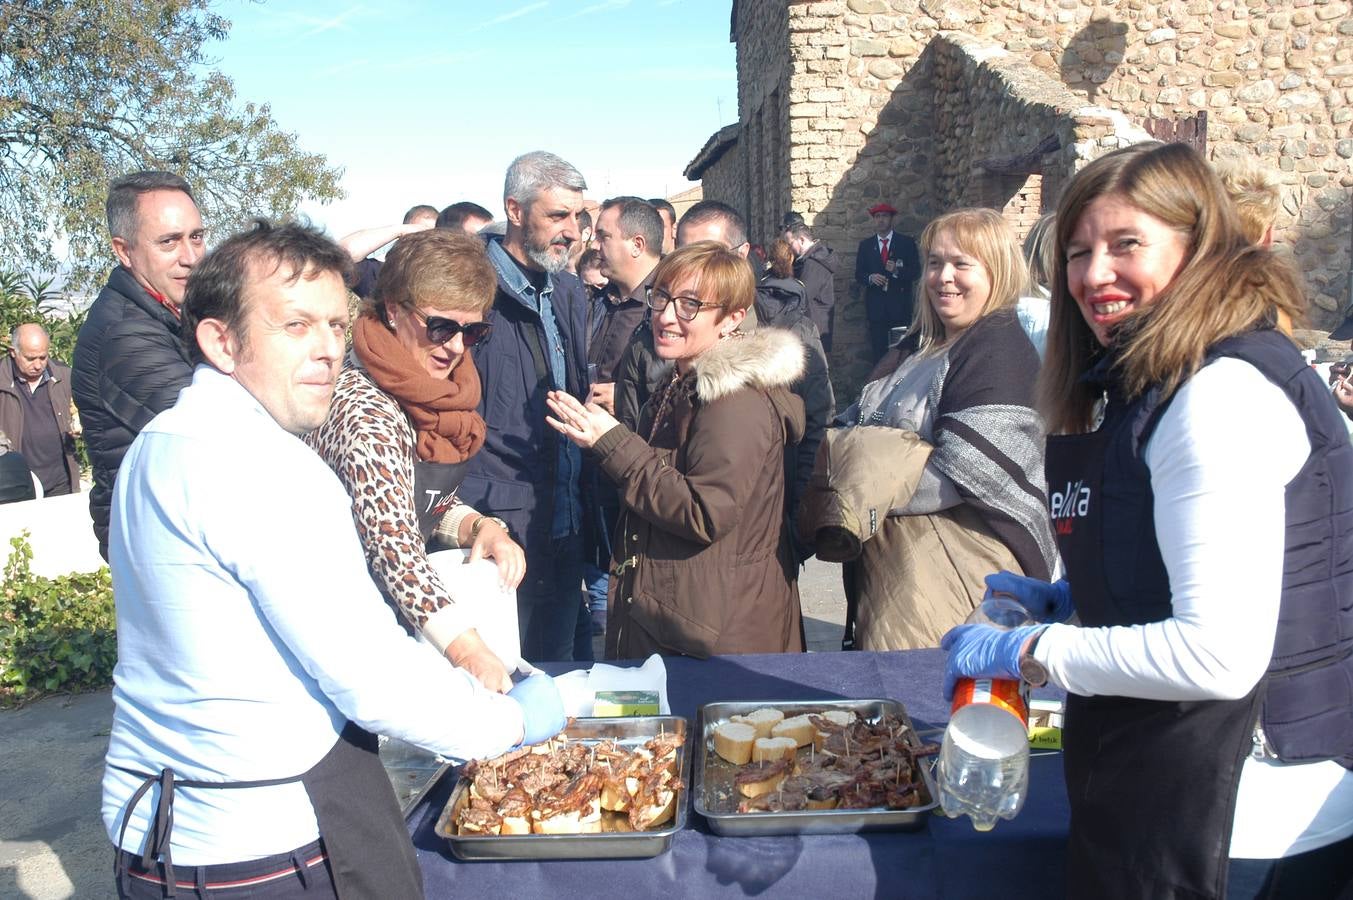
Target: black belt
[157,844]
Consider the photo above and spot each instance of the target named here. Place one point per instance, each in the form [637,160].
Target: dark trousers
[878,337]
[548,602]
[279,877]
[1325,873]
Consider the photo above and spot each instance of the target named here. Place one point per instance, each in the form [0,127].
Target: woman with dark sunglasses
[702,562]
[401,429]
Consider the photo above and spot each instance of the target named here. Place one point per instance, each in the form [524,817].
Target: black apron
[434,492]
[360,824]
[1151,784]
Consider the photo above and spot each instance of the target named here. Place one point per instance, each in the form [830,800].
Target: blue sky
[429,102]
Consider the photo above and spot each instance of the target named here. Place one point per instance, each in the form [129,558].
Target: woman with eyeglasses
[702,560]
[402,426]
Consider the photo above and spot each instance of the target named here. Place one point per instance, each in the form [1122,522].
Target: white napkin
[492,609]
[579,688]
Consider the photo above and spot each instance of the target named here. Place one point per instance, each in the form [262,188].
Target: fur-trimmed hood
[764,358]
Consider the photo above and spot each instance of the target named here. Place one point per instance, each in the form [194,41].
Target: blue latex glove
[1045,602]
[542,709]
[983,651]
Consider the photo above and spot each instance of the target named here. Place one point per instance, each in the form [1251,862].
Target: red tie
[885,251]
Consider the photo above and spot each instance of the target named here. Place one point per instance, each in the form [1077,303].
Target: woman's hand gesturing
[583,425]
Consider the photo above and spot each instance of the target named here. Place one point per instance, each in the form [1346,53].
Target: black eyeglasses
[441,330]
[687,308]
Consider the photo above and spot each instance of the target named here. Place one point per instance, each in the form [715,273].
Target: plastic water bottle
[983,769]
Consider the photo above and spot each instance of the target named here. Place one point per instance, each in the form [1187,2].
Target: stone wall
[726,178]
[856,86]
[764,86]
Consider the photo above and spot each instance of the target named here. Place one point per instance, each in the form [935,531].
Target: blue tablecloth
[946,859]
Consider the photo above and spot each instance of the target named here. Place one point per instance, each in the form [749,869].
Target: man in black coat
[129,361]
[887,265]
[815,264]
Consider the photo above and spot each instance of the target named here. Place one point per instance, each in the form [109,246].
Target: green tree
[92,89]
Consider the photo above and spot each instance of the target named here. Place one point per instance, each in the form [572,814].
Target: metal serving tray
[713,787]
[609,844]
[412,771]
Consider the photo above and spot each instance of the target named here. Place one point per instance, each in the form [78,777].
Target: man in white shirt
[256,659]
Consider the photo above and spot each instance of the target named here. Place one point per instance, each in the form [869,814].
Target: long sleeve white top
[1220,460]
[249,631]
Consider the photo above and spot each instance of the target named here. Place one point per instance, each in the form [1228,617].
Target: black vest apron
[1151,784]
[434,492]
[360,825]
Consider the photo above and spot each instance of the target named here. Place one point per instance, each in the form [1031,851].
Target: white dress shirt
[249,631]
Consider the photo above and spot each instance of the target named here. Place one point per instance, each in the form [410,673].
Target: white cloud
[605,6]
[508,16]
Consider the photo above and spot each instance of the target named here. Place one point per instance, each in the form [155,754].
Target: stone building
[932,104]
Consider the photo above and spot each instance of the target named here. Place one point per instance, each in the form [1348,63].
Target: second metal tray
[628,732]
[713,773]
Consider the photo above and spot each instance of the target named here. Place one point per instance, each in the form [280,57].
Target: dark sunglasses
[441,330]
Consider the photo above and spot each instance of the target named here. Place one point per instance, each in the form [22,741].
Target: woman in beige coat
[702,561]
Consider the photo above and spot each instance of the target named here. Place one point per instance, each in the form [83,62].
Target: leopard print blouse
[368,441]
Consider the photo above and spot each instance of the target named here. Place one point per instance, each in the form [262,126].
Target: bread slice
[763,720]
[799,728]
[516,825]
[733,741]
[572,822]
[767,749]
[656,813]
[842,717]
[774,778]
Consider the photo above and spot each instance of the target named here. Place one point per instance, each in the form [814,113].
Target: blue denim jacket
[513,404]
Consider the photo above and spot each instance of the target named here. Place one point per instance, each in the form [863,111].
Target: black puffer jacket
[130,365]
[780,303]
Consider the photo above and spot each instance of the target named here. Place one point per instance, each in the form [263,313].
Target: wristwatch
[479,523]
[1031,671]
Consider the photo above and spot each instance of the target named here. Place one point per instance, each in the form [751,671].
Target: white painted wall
[61,534]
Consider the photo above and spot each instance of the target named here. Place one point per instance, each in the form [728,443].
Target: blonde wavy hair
[1254,192]
[985,236]
[1224,287]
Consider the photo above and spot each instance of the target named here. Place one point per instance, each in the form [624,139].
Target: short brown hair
[721,276]
[982,234]
[440,268]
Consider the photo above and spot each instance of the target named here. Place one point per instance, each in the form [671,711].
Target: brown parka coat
[702,559]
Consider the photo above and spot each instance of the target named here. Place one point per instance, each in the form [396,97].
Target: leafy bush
[27,298]
[56,634]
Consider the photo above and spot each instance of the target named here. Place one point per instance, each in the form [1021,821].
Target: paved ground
[52,844]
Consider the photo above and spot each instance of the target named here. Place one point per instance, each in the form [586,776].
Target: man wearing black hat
[887,266]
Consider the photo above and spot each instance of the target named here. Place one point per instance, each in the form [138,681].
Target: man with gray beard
[527,474]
